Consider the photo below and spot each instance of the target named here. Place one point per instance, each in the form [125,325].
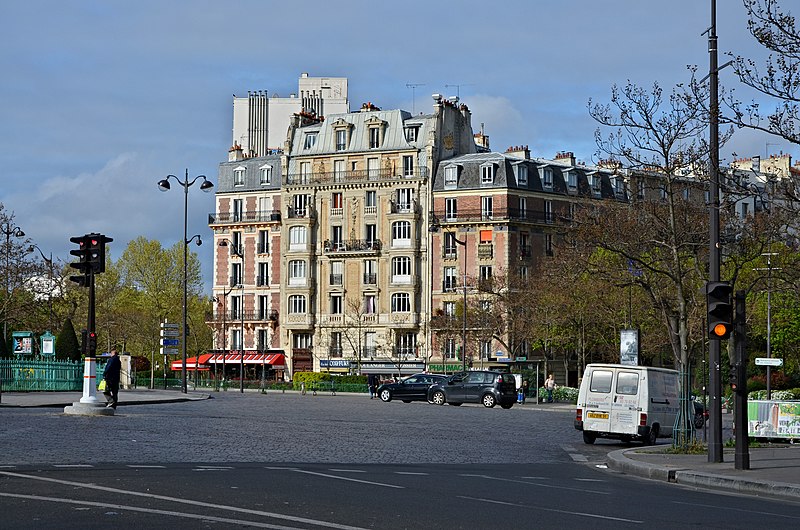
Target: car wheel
[589,437]
[488,401]
[652,436]
[699,420]
[438,398]
[386,395]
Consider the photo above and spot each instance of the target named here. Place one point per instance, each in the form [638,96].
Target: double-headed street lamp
[225,293]
[51,284]
[238,250]
[206,186]
[463,244]
[9,230]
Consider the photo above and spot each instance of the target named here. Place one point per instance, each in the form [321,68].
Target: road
[290,461]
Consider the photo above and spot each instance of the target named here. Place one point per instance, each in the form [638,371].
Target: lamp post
[9,230]
[205,186]
[769,270]
[463,244]
[238,250]
[225,293]
[51,285]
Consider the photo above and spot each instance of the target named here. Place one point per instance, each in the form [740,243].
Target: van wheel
[652,436]
[589,437]
[488,401]
[438,398]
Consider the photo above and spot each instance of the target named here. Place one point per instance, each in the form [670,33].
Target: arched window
[401,303]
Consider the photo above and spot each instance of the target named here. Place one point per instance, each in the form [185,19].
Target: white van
[627,402]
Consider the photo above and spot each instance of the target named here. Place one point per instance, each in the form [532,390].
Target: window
[449,309]
[236,274]
[338,170]
[236,307]
[297,272]
[238,176]
[336,304]
[548,177]
[486,350]
[596,183]
[302,341]
[411,134]
[369,343]
[265,175]
[449,349]
[548,244]
[485,236]
[373,168]
[300,205]
[662,193]
[263,273]
[336,344]
[450,209]
[449,279]
[600,381]
[341,139]
[486,208]
[263,307]
[238,210]
[336,237]
[408,166]
[572,180]
[297,304]
[370,199]
[401,269]
[374,137]
[310,140]
[450,244]
[745,209]
[236,243]
[263,338]
[371,234]
[405,199]
[263,242]
[305,172]
[337,268]
[686,193]
[548,211]
[297,238]
[628,383]
[451,177]
[337,203]
[522,174]
[236,338]
[401,234]
[523,207]
[370,272]
[369,304]
[487,174]
[401,303]
[485,272]
[406,344]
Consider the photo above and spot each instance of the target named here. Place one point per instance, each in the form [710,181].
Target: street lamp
[9,230]
[769,270]
[51,285]
[238,250]
[463,244]
[225,293]
[205,186]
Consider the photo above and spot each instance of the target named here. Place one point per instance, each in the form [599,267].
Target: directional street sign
[170,342]
[170,333]
[169,351]
[166,325]
[769,361]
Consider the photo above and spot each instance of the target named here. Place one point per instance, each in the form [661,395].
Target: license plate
[597,415]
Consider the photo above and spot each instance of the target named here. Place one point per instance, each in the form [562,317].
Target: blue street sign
[169,342]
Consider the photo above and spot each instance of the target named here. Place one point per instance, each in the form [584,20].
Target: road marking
[548,485]
[240,522]
[145,466]
[411,473]
[347,470]
[728,508]
[280,468]
[590,480]
[349,479]
[535,478]
[7,467]
[107,490]
[580,514]
[72,465]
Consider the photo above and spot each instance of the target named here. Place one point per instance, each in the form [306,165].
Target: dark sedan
[412,388]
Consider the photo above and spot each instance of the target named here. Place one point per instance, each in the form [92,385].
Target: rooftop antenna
[458,88]
[413,87]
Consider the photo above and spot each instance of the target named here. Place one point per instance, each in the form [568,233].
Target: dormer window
[375,130]
[412,133]
[265,174]
[547,177]
[487,174]
[310,140]
[342,130]
[522,175]
[572,180]
[374,137]
[451,177]
[341,140]
[238,176]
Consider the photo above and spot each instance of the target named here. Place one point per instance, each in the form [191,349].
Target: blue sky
[101,99]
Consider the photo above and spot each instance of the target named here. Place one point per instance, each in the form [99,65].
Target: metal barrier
[41,376]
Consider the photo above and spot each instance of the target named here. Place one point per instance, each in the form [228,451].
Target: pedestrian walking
[111,377]
[372,383]
[549,386]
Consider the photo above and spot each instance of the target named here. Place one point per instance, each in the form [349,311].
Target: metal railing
[352,245]
[363,175]
[37,376]
[256,216]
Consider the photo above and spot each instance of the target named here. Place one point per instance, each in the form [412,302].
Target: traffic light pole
[742,455]
[89,361]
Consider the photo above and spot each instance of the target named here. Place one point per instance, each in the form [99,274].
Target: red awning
[276,360]
[192,363]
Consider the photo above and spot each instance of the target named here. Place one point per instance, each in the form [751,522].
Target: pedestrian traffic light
[96,250]
[720,310]
[737,378]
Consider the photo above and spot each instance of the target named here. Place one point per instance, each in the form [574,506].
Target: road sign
[769,361]
[170,333]
[166,325]
[169,351]
[170,342]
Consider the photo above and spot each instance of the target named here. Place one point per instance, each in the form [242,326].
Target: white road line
[214,467]
[180,500]
[590,480]
[347,470]
[548,485]
[7,467]
[145,466]
[535,478]
[580,514]
[411,473]
[72,465]
[350,479]
[171,513]
[280,468]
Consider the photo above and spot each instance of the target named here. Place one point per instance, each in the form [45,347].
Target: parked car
[412,388]
[484,386]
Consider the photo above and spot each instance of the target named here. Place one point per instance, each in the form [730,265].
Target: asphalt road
[290,461]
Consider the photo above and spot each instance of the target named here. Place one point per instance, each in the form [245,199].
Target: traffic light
[720,310]
[737,378]
[83,264]
[84,342]
[96,250]
[91,343]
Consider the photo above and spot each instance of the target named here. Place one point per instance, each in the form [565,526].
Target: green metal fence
[38,376]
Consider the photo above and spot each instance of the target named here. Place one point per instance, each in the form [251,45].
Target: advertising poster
[629,347]
[774,419]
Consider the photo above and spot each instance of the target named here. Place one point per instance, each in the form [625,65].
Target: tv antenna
[458,88]
[413,87]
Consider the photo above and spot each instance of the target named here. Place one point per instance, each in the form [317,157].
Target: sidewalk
[774,470]
[126,397]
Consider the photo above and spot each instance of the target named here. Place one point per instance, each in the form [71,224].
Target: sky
[99,100]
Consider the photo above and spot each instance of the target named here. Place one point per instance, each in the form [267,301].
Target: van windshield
[627,383]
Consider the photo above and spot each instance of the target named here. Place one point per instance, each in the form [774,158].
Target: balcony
[403,207]
[300,213]
[336,279]
[227,218]
[500,214]
[370,278]
[233,281]
[262,281]
[449,285]
[352,245]
[485,251]
[525,252]
[364,175]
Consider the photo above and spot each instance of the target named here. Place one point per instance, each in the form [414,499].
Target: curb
[617,461]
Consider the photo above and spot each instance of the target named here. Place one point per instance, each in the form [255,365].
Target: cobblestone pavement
[233,427]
